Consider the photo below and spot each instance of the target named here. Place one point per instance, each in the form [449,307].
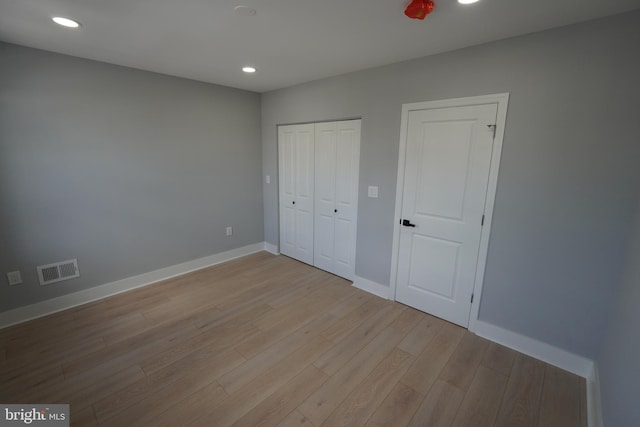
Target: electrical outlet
[14,278]
[229,231]
[373,192]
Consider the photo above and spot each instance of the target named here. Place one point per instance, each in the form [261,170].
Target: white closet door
[296,182]
[325,195]
[337,154]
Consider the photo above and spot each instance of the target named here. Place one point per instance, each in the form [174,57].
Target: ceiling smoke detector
[244,10]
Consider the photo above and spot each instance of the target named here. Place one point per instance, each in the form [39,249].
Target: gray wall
[618,363]
[568,179]
[128,171]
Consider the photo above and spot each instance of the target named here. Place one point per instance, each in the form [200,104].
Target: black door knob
[407,223]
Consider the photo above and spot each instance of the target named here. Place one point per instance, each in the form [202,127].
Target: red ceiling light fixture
[419,9]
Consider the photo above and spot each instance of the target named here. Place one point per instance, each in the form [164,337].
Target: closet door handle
[407,223]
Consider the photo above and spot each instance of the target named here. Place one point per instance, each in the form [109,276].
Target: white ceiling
[288,41]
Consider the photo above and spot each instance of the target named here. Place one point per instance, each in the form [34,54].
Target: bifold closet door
[296,185]
[337,158]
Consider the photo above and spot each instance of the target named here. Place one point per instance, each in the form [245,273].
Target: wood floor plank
[397,409]
[183,411]
[133,349]
[356,409]
[406,320]
[243,374]
[83,390]
[350,304]
[341,329]
[439,407]
[499,358]
[275,408]
[416,341]
[214,340]
[482,402]
[56,353]
[20,383]
[427,366]
[560,404]
[254,392]
[461,367]
[296,419]
[343,351]
[326,399]
[284,325]
[83,418]
[192,367]
[521,403]
[147,410]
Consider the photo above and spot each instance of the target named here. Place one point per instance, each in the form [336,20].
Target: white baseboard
[594,404]
[64,302]
[271,248]
[372,287]
[537,349]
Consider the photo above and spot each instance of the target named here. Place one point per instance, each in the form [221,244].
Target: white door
[337,157]
[296,177]
[448,156]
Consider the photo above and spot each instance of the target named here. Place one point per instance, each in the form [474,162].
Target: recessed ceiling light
[249,70]
[65,22]
[467,1]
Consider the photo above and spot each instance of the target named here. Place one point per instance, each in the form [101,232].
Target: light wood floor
[268,341]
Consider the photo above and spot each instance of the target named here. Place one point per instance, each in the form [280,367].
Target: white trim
[594,404]
[372,287]
[555,356]
[502,100]
[64,302]
[537,349]
[271,248]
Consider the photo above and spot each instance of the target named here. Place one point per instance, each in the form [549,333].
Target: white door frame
[502,100]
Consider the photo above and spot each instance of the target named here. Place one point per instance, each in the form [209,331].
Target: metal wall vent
[57,272]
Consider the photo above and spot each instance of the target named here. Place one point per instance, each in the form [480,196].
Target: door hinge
[482,221]
[471,298]
[493,129]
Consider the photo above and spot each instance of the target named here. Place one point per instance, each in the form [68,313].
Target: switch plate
[14,278]
[267,179]
[373,191]
[229,231]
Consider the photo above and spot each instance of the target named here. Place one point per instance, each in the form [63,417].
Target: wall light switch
[229,231]
[14,278]
[267,179]
[373,192]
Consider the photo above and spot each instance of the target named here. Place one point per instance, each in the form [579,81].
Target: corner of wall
[271,248]
[372,287]
[594,403]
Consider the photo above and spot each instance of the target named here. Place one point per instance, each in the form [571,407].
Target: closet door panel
[304,193]
[325,189]
[296,175]
[347,167]
[286,173]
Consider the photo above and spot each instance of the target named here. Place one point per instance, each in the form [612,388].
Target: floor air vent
[57,272]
